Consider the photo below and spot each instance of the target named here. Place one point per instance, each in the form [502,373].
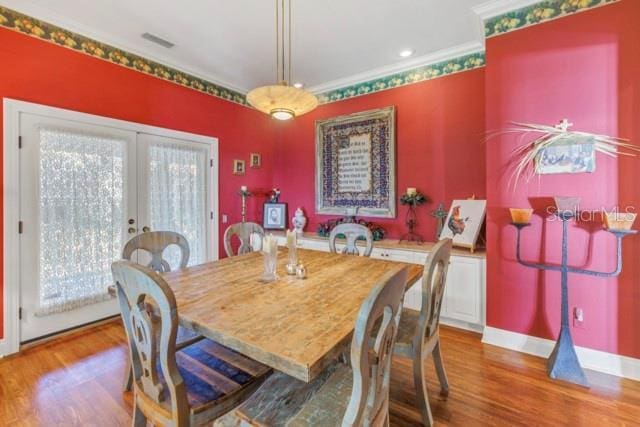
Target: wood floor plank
[76,381]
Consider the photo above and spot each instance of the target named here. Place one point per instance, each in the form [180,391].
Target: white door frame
[10,343]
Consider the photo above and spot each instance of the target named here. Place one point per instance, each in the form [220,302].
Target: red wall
[585,68]
[439,129]
[39,72]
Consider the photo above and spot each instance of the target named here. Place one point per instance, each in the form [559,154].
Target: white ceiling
[232,42]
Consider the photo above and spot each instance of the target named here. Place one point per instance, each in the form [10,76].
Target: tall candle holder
[244,193]
[413,199]
[563,362]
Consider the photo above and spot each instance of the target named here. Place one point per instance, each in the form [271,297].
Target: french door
[85,190]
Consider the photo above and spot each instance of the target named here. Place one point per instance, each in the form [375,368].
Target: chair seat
[285,401]
[186,337]
[212,371]
[406,330]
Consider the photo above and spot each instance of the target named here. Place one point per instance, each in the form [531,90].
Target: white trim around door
[10,342]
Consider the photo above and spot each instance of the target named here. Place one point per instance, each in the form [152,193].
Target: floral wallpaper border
[538,13]
[531,15]
[33,27]
[420,74]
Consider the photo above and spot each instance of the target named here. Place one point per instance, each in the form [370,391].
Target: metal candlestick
[243,212]
[563,362]
[411,220]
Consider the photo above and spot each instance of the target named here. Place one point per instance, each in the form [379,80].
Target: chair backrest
[151,333]
[243,230]
[371,350]
[155,242]
[434,280]
[352,232]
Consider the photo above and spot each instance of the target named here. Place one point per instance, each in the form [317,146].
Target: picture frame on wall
[464,222]
[255,160]
[238,167]
[274,216]
[356,164]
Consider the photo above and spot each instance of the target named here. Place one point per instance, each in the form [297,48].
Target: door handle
[146,229]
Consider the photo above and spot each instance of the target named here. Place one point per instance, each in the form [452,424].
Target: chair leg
[442,374]
[139,419]
[128,376]
[422,396]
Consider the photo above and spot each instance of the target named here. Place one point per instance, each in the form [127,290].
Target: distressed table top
[295,326]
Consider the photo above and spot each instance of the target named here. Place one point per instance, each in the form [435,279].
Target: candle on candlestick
[567,205]
[411,191]
[618,221]
[243,188]
[520,216]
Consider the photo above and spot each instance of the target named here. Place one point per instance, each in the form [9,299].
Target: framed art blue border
[331,135]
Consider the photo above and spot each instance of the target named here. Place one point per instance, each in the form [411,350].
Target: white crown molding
[432,58]
[608,363]
[34,10]
[499,7]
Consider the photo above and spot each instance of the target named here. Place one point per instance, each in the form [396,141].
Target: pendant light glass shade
[282,102]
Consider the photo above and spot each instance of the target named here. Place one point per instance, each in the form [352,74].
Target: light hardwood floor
[76,381]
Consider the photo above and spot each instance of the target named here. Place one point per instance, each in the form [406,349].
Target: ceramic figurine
[299,221]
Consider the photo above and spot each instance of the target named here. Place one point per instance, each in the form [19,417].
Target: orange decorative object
[619,221]
[521,216]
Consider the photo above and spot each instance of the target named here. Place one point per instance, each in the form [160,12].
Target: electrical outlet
[225,219]
[578,318]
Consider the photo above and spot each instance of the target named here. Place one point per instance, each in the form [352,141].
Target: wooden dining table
[297,326]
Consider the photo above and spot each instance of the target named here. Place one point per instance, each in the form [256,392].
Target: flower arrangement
[414,199]
[324,228]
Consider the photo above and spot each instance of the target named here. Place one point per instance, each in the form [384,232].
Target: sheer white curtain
[82,212]
[177,194]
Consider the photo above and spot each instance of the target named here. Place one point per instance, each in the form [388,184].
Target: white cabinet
[464,296]
[464,293]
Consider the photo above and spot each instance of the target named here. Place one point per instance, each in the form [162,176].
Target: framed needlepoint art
[355,164]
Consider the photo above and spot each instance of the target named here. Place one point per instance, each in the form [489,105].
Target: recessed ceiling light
[298,85]
[406,53]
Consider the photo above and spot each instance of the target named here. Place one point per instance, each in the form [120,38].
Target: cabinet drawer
[392,255]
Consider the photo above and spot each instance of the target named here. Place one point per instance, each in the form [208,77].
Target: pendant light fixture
[281,101]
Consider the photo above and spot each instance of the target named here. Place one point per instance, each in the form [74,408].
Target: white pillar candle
[411,191]
[243,188]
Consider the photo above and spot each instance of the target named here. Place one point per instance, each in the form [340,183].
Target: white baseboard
[3,348]
[608,363]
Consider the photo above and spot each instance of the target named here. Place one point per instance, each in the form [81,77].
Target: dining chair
[190,386]
[155,243]
[352,232]
[244,231]
[356,395]
[418,334]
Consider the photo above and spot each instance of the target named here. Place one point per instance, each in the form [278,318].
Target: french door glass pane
[82,212]
[177,195]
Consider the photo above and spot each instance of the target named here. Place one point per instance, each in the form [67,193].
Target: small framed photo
[275,216]
[238,167]
[255,160]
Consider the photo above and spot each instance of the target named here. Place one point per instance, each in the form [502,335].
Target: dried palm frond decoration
[527,156]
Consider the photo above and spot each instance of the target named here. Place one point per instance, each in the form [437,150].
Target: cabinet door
[463,294]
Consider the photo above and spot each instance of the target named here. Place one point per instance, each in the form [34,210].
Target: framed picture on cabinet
[275,216]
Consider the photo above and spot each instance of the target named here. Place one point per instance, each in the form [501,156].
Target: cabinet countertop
[394,244]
